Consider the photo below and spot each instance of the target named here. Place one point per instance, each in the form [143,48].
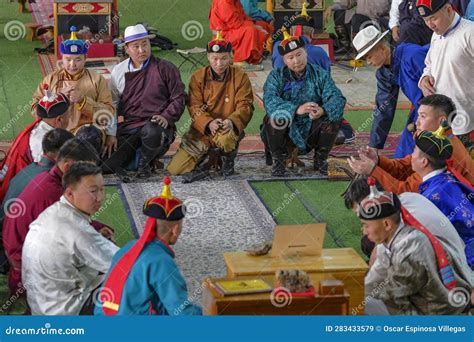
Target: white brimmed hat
[136,32]
[366,39]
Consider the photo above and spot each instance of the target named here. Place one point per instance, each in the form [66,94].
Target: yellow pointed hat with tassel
[304,19]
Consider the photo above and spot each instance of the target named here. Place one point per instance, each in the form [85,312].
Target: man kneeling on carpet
[149,260]
[91,113]
[64,255]
[221,106]
[304,108]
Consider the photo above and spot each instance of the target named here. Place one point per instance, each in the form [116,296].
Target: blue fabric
[456,201]
[316,55]
[470,11]
[283,94]
[404,72]
[252,11]
[154,280]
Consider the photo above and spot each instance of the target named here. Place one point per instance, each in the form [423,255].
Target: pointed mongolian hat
[219,44]
[51,105]
[289,43]
[73,45]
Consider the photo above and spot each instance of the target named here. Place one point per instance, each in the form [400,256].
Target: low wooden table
[339,263]
[214,303]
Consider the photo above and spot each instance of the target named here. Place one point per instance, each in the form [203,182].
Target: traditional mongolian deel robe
[209,98]
[97,104]
[413,285]
[403,73]
[247,40]
[22,179]
[430,217]
[43,190]
[283,94]
[397,175]
[456,201]
[62,258]
[165,292]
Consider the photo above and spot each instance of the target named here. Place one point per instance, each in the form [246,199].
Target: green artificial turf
[319,197]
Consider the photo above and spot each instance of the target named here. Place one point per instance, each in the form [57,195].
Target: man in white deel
[64,257]
[450,63]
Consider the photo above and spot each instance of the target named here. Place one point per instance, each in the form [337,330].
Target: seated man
[51,112]
[221,106]
[91,111]
[303,26]
[149,94]
[420,208]
[397,175]
[407,25]
[303,108]
[43,190]
[452,194]
[423,270]
[63,254]
[351,16]
[247,38]
[52,142]
[149,260]
[399,67]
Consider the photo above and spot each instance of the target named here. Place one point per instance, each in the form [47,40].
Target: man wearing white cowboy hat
[399,67]
[149,94]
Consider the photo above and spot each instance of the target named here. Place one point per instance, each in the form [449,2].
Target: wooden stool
[32,30]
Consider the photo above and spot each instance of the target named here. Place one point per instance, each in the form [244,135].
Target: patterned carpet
[222,216]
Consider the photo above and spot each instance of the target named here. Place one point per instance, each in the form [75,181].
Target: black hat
[166,207]
[289,43]
[52,105]
[379,204]
[435,144]
[429,7]
[219,44]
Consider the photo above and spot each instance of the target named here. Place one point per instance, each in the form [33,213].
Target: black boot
[344,40]
[144,169]
[279,167]
[321,165]
[228,163]
[195,176]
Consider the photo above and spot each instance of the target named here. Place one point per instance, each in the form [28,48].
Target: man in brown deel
[221,106]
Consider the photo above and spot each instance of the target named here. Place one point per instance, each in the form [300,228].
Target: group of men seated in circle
[417,211]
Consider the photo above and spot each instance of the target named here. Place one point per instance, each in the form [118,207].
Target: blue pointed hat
[73,46]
